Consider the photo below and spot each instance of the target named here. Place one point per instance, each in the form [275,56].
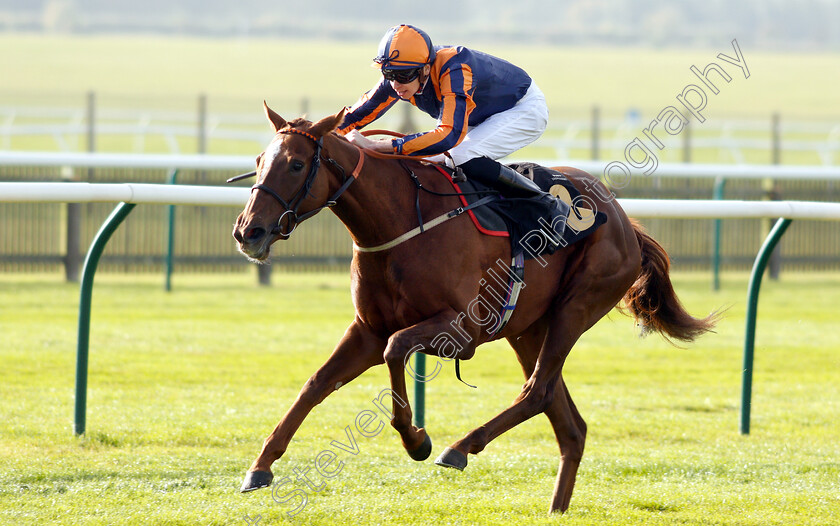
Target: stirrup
[458,175]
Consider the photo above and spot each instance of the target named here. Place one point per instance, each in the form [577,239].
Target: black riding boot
[516,184]
[509,182]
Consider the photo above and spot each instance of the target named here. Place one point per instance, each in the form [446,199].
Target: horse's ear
[327,124]
[277,121]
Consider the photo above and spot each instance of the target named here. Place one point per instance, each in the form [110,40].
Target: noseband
[291,207]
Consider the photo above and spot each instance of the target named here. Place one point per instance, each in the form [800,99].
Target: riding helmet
[405,47]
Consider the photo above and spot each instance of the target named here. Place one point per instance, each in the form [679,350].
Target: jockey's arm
[369,107]
[377,145]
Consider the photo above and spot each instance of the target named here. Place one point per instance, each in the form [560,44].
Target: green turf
[185,385]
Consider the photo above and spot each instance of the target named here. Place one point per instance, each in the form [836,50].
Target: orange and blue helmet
[405,47]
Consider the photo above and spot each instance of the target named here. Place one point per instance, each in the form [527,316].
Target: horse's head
[288,188]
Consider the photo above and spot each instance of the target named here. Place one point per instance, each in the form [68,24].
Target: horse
[406,294]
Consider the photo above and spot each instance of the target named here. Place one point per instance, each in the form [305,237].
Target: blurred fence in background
[91,122]
[33,237]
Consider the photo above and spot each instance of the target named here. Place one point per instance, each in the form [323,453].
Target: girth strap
[515,285]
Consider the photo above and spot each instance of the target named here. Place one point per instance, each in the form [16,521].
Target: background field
[144,76]
[336,73]
[184,386]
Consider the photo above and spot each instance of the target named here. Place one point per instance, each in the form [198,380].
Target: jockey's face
[409,89]
[406,91]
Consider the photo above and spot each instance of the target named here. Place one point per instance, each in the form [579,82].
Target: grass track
[184,386]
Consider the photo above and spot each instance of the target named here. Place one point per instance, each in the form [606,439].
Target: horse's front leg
[401,345]
[358,351]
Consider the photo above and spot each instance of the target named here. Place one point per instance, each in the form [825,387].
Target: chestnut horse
[407,295]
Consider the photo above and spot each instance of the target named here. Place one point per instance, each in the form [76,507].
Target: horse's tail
[652,300]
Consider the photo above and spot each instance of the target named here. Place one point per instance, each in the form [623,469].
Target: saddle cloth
[523,219]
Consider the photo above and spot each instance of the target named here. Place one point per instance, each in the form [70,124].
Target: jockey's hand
[378,145]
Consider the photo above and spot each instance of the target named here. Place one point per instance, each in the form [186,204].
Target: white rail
[245,162]
[701,171]
[122,192]
[217,195]
[124,160]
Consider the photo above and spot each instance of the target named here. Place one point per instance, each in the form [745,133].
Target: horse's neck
[379,205]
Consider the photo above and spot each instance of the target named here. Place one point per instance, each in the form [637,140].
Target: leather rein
[293,205]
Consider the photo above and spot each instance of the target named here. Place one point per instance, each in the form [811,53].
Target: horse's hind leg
[571,439]
[569,427]
[544,391]
[537,394]
[357,352]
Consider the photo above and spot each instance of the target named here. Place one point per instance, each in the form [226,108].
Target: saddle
[523,220]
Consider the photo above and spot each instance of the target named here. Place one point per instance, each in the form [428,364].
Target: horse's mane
[299,122]
[303,124]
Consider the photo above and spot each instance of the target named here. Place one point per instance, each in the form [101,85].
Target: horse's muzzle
[253,241]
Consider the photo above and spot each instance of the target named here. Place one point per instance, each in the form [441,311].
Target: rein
[291,207]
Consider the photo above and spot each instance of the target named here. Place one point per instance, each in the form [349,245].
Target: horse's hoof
[256,480]
[452,458]
[422,453]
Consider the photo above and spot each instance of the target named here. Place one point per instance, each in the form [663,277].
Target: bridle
[291,207]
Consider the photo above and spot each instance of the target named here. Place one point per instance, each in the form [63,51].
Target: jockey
[486,108]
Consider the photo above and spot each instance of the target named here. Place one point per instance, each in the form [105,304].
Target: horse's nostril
[254,234]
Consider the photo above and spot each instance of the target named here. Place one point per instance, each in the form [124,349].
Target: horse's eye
[297,166]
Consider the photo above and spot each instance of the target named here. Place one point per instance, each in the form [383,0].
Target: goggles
[403,76]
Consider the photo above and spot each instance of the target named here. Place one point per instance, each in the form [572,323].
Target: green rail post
[759,266]
[91,261]
[170,239]
[419,389]
[720,183]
